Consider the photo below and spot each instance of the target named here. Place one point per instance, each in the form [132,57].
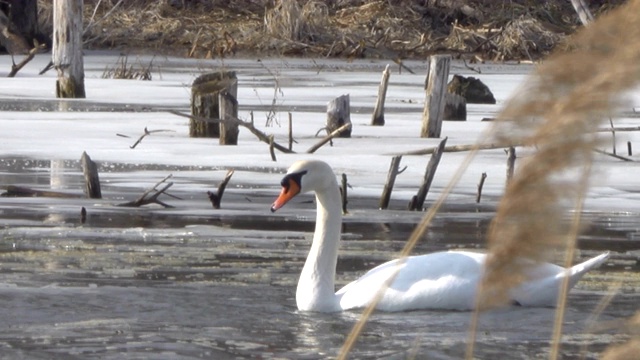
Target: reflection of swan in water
[443,280]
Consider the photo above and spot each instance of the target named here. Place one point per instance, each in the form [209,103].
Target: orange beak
[287,193]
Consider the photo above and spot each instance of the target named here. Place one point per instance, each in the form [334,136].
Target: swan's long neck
[316,287]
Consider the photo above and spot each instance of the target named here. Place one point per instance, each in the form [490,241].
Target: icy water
[191,282]
[156,283]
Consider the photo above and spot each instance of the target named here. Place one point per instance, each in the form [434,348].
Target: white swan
[442,280]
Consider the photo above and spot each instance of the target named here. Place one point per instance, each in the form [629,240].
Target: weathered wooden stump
[91,177]
[455,108]
[472,89]
[417,203]
[205,92]
[228,111]
[67,48]
[435,94]
[483,177]
[338,115]
[377,119]
[391,180]
[511,162]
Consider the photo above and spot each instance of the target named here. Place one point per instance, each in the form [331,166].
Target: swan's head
[304,176]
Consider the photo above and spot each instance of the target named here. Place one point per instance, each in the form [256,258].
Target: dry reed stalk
[567,98]
[631,348]
[614,289]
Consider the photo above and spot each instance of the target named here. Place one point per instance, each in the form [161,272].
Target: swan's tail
[544,291]
[577,271]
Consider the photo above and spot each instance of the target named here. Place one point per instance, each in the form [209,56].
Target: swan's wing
[445,280]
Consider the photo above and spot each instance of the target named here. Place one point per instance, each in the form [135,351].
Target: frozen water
[193,282]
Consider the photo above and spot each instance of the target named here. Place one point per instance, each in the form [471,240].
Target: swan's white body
[443,280]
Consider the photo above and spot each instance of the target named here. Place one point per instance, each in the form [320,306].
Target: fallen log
[458,148]
[248,125]
[32,53]
[21,191]
[328,138]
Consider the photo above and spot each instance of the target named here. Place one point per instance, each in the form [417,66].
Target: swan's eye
[295,177]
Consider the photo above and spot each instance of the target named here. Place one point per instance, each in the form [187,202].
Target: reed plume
[558,112]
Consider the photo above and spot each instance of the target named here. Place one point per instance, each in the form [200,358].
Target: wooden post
[290,132]
[480,185]
[91,178]
[583,11]
[228,110]
[455,107]
[436,88]
[377,119]
[343,192]
[418,202]
[511,162]
[272,151]
[339,114]
[205,102]
[67,48]
[391,180]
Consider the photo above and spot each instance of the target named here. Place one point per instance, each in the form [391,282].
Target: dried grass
[381,29]
[124,70]
[294,22]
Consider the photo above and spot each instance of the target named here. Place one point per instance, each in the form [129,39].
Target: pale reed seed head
[567,98]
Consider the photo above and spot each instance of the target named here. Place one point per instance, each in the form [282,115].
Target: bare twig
[153,199]
[146,132]
[328,138]
[483,177]
[32,53]
[216,197]
[46,68]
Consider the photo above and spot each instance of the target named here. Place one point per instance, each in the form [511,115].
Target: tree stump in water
[435,94]
[205,92]
[455,107]
[338,115]
[91,178]
[67,48]
[228,110]
[472,89]
[377,119]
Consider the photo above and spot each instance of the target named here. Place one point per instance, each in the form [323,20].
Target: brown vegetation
[395,29]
